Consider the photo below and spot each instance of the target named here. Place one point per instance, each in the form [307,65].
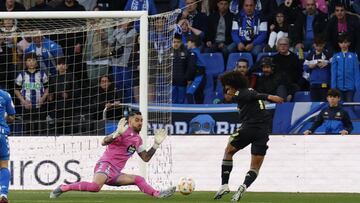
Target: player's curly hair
[234,79]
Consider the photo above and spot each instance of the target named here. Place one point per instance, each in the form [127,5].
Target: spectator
[278,29]
[186,31]
[341,23]
[97,51]
[321,5]
[32,90]
[123,40]
[195,74]
[112,5]
[266,7]
[179,70]
[141,5]
[41,5]
[345,74]
[89,5]
[309,24]
[47,51]
[218,36]
[195,19]
[356,6]
[242,66]
[291,9]
[7,70]
[62,87]
[134,66]
[9,26]
[11,5]
[70,5]
[317,64]
[334,118]
[333,3]
[158,37]
[270,82]
[288,65]
[105,96]
[249,30]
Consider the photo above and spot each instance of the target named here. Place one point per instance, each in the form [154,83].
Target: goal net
[77,74]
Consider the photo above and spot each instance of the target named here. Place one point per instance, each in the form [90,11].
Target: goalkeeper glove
[159,137]
[121,128]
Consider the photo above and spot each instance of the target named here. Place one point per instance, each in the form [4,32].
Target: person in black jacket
[179,70]
[335,119]
[342,23]
[218,36]
[304,37]
[254,119]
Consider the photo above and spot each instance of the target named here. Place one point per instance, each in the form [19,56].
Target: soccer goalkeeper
[122,144]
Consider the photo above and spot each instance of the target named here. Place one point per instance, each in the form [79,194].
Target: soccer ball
[186,185]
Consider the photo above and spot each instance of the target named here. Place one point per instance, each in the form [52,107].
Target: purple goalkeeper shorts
[109,170]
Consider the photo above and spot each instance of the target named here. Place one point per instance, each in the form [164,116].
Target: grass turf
[196,197]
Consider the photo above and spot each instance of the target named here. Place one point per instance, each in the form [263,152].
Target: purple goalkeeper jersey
[122,148]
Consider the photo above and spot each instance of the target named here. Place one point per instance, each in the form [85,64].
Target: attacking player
[122,144]
[254,121]
[7,114]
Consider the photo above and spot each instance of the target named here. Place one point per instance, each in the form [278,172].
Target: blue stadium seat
[234,57]
[263,54]
[302,96]
[214,63]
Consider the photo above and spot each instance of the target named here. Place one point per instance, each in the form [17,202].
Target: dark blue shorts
[4,147]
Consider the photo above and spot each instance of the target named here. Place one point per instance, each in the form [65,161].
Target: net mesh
[78,77]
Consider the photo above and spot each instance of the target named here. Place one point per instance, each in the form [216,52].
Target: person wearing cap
[270,82]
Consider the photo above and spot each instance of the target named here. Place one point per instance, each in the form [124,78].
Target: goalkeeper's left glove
[159,137]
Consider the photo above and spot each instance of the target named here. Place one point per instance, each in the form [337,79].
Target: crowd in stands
[309,45]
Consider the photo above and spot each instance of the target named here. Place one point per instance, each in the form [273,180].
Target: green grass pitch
[196,197]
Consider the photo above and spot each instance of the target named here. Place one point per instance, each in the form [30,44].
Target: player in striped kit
[121,145]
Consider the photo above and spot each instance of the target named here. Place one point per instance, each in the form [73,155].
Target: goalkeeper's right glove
[121,128]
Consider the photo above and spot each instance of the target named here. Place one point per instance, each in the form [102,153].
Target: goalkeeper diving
[121,145]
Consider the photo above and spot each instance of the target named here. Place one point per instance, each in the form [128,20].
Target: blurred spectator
[249,30]
[207,6]
[341,23]
[291,9]
[112,5]
[41,5]
[123,40]
[186,31]
[266,7]
[242,66]
[179,70]
[70,5]
[288,65]
[332,5]
[317,63]
[309,24]
[141,5]
[9,26]
[345,73]
[320,4]
[356,6]
[334,118]
[269,81]
[105,96]
[195,74]
[278,29]
[11,5]
[32,90]
[158,37]
[47,51]
[62,95]
[7,70]
[218,36]
[174,4]
[134,66]
[195,19]
[97,50]
[89,5]
[22,45]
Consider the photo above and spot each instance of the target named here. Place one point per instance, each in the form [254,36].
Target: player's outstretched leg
[223,190]
[79,186]
[239,193]
[4,184]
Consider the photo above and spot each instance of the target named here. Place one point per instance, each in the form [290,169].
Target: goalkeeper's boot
[167,193]
[224,189]
[56,193]
[4,200]
[239,193]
